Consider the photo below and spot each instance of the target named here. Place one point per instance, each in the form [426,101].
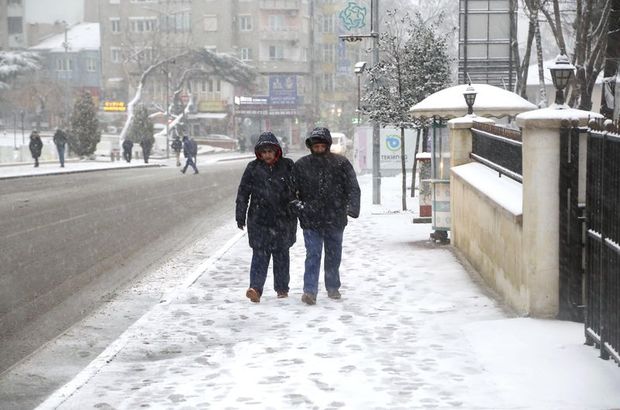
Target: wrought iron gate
[602,318]
[571,227]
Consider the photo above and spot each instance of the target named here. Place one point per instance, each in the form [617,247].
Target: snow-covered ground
[414,330]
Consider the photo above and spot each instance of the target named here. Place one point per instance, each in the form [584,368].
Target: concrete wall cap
[467,122]
[553,117]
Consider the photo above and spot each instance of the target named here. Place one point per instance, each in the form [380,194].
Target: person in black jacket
[35,145]
[190,151]
[327,191]
[272,224]
[127,148]
[60,139]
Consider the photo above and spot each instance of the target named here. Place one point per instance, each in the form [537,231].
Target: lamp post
[359,69]
[470,97]
[561,72]
[376,131]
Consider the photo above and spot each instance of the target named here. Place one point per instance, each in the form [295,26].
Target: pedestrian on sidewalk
[327,191]
[60,140]
[177,146]
[190,151]
[272,225]
[36,145]
[127,148]
[146,142]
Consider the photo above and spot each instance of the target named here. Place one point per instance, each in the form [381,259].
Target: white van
[339,143]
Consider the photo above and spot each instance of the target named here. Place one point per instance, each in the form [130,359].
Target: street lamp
[359,69]
[470,97]
[561,72]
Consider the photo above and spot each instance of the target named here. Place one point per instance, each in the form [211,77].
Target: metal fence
[498,148]
[602,319]
[571,227]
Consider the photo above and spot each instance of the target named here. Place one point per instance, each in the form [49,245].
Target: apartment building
[12,33]
[271,35]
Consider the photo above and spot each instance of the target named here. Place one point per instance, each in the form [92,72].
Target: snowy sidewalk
[412,331]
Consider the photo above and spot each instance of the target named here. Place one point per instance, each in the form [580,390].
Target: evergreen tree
[85,133]
[413,63]
[141,127]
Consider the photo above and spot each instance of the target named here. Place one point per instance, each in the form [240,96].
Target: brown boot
[308,299]
[253,295]
[282,294]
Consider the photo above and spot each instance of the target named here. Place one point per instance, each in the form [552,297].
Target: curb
[78,171]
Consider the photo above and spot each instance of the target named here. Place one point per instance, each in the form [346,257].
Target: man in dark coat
[36,146]
[60,140]
[146,142]
[327,191]
[190,151]
[127,148]
[272,225]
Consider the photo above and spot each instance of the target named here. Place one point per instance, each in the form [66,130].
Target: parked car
[339,143]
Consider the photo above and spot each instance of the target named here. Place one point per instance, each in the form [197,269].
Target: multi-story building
[272,36]
[71,64]
[12,34]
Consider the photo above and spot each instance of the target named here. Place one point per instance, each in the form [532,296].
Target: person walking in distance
[146,143]
[127,148]
[177,146]
[327,191]
[60,140]
[272,225]
[190,151]
[36,146]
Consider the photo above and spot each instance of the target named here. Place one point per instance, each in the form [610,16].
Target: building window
[210,22]
[91,65]
[176,23]
[245,23]
[15,2]
[64,64]
[327,83]
[143,1]
[276,22]
[245,54]
[115,25]
[326,23]
[15,25]
[143,24]
[328,53]
[276,53]
[115,1]
[116,54]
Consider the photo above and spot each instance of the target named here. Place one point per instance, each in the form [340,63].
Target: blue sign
[283,89]
[353,16]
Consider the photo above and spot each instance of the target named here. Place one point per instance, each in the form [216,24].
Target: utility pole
[376,131]
[66,64]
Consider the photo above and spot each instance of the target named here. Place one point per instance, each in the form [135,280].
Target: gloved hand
[297,204]
[240,225]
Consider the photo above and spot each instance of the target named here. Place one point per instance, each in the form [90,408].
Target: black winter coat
[271,222]
[36,145]
[328,188]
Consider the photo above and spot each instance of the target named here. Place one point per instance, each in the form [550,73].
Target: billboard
[389,149]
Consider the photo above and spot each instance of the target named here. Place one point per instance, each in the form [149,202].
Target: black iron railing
[498,148]
[602,319]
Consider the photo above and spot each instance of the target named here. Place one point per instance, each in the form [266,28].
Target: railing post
[541,204]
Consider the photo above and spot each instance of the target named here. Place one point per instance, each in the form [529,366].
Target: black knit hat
[319,135]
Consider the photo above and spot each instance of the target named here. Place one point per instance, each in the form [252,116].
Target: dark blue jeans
[189,162]
[260,264]
[61,154]
[315,241]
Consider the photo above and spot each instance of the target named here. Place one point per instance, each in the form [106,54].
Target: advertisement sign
[114,106]
[389,147]
[283,89]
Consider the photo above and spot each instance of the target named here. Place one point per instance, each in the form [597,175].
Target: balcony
[290,5]
[283,66]
[280,33]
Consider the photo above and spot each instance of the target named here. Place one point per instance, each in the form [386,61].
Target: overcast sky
[44,11]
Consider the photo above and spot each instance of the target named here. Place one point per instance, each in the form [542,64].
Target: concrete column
[460,138]
[541,172]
